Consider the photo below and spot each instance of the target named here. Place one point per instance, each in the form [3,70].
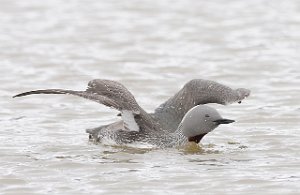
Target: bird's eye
[206,115]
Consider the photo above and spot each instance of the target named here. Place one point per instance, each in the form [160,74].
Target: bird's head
[199,121]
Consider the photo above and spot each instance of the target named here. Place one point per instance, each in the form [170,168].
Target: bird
[183,118]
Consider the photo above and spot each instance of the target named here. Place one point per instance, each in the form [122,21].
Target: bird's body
[161,127]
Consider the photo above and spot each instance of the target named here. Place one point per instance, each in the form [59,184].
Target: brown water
[152,47]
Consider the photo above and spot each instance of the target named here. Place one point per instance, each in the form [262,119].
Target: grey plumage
[196,92]
[159,127]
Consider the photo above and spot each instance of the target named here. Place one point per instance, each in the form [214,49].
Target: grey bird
[180,119]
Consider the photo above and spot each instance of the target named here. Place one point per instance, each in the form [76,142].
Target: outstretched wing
[94,97]
[116,92]
[199,91]
[107,92]
[196,92]
[206,91]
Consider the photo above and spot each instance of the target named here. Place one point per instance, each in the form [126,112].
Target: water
[153,48]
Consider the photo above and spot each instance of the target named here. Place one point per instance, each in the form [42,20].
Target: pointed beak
[223,121]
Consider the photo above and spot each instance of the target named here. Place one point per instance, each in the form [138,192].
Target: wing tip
[19,95]
[43,91]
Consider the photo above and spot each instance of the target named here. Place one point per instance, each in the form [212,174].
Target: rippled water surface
[153,48]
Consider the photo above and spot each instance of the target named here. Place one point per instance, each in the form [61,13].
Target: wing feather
[109,93]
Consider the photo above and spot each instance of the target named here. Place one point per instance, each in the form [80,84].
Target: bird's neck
[175,139]
[181,139]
